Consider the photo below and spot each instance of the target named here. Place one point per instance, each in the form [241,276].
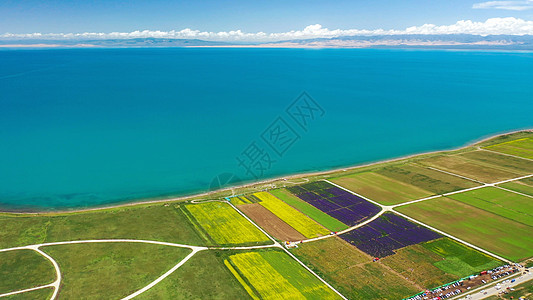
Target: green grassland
[312,212]
[204,276]
[503,203]
[522,147]
[352,272]
[24,269]
[223,225]
[426,179]
[504,162]
[150,222]
[382,189]
[273,274]
[499,235]
[111,270]
[41,294]
[459,259]
[475,170]
[297,220]
[524,186]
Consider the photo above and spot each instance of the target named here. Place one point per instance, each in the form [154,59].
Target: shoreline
[147,201]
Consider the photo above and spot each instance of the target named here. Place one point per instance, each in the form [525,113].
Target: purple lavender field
[338,203]
[387,233]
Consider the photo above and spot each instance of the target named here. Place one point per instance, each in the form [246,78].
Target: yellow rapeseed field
[291,216]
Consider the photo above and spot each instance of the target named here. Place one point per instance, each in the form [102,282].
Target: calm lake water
[89,127]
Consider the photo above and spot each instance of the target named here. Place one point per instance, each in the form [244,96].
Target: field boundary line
[28,290]
[456,175]
[160,278]
[515,156]
[505,189]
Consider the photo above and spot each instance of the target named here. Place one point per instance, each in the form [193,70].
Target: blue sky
[76,16]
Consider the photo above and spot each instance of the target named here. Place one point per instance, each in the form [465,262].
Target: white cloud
[507,5]
[494,26]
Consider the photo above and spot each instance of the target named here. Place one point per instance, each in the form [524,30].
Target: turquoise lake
[88,127]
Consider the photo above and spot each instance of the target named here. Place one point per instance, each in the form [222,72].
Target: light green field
[314,213]
[524,186]
[291,216]
[426,179]
[503,203]
[382,189]
[459,259]
[204,276]
[352,272]
[507,238]
[223,225]
[274,275]
[24,269]
[41,294]
[471,169]
[111,270]
[521,147]
[149,222]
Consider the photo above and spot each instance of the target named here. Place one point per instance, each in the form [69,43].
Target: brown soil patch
[271,223]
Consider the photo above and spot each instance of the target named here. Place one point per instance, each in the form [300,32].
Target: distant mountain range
[451,41]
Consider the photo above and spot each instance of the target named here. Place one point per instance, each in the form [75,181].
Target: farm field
[24,269]
[521,147]
[312,212]
[273,274]
[110,270]
[291,216]
[189,281]
[387,233]
[524,186]
[505,162]
[149,222]
[483,172]
[503,203]
[386,191]
[271,223]
[499,235]
[352,272]
[41,294]
[223,225]
[336,202]
[426,179]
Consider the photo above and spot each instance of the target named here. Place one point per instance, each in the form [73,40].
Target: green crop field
[204,276]
[380,188]
[503,203]
[24,269]
[291,216]
[149,222]
[427,179]
[521,147]
[274,275]
[475,170]
[224,225]
[352,272]
[505,162]
[111,270]
[314,213]
[524,186]
[41,294]
[505,237]
[459,259]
